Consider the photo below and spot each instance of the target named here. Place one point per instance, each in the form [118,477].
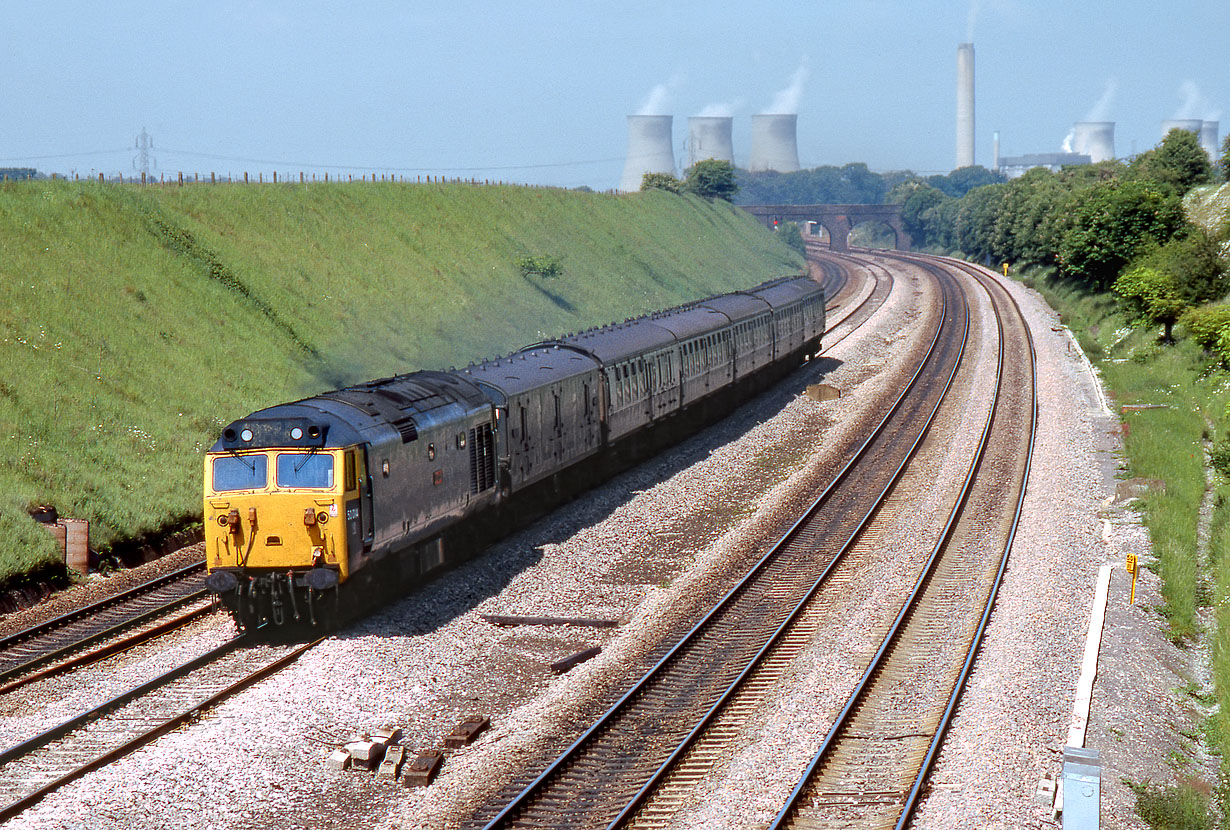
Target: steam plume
[786,101]
[659,97]
[1194,104]
[1099,112]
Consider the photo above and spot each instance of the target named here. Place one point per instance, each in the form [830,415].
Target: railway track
[104,628]
[42,764]
[605,775]
[872,766]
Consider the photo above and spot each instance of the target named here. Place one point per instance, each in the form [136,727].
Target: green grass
[1169,444]
[136,322]
[1182,807]
[1159,443]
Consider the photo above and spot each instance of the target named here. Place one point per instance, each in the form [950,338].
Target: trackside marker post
[1130,567]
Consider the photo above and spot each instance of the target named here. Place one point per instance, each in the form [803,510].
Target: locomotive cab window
[240,472]
[313,471]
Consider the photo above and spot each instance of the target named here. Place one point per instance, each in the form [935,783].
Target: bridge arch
[838,220]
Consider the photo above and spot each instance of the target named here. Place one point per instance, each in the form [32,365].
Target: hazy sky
[537,92]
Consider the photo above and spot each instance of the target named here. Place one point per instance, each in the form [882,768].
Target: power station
[650,149]
[709,137]
[965,105]
[774,138]
[774,143]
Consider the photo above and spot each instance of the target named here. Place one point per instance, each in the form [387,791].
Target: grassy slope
[135,322]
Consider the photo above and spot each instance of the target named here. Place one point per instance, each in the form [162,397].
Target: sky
[537,92]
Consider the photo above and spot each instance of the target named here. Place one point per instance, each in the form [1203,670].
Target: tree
[1102,228]
[1193,261]
[789,233]
[1151,296]
[1179,161]
[712,179]
[1225,159]
[661,181]
[918,202]
[964,179]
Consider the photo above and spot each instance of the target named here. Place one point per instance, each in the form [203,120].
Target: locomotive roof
[346,416]
[531,367]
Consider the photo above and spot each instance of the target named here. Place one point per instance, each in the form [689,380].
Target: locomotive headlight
[296,433]
[322,517]
[246,435]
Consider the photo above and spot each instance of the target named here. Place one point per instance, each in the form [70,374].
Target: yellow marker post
[1005,269]
[1131,568]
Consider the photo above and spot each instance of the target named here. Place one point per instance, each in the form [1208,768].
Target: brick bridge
[838,220]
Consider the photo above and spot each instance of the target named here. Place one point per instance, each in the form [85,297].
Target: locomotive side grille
[407,428]
[482,459]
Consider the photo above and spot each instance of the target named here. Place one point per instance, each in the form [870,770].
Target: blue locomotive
[362,491]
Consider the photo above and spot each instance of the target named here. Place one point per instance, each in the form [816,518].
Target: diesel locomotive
[325,506]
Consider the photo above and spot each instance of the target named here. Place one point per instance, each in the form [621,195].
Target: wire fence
[181,179]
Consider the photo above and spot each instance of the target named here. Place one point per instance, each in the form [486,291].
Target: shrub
[790,234]
[1204,324]
[547,266]
[661,181]
[1151,296]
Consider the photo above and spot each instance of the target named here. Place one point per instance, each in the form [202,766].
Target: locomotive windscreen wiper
[306,459]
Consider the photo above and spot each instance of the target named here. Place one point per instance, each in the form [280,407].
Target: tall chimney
[1095,139]
[649,149]
[774,143]
[965,105]
[709,138]
[995,151]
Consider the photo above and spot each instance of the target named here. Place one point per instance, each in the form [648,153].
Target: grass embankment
[136,322]
[1170,444]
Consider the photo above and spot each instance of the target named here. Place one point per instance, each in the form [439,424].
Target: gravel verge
[1012,722]
[647,548]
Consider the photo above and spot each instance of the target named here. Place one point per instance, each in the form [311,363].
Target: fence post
[300,177]
[181,178]
[100,178]
[275,176]
[142,177]
[211,177]
[245,177]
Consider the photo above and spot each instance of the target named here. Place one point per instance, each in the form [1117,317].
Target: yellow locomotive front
[275,524]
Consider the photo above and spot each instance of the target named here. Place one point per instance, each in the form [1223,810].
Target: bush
[542,265]
[1151,297]
[661,181]
[1204,324]
[712,179]
[790,234]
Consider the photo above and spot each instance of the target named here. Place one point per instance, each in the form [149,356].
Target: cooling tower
[1209,139]
[774,143]
[965,105]
[1192,125]
[1095,139]
[709,138]
[649,149]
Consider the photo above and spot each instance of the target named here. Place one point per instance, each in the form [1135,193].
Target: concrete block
[390,767]
[389,733]
[1044,793]
[366,754]
[339,759]
[464,733]
[422,770]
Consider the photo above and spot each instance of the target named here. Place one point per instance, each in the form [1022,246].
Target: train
[320,508]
